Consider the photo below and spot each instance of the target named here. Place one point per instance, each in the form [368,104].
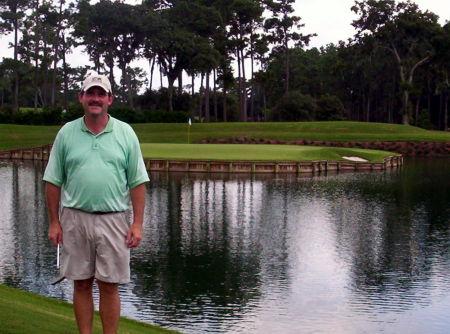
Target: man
[95,168]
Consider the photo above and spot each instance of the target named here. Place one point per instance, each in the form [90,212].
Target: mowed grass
[330,131]
[23,312]
[18,136]
[260,152]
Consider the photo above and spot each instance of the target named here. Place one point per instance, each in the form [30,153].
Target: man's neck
[96,124]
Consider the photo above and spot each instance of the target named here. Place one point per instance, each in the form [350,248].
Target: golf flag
[189,131]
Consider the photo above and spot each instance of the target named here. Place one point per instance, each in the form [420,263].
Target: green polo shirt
[96,171]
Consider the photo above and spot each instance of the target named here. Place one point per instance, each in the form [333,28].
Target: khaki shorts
[94,246]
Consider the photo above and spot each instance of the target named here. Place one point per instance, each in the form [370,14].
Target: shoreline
[27,312]
[268,167]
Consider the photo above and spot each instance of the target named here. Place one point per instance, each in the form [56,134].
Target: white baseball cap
[96,80]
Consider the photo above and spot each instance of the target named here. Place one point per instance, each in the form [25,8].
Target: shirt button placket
[95,143]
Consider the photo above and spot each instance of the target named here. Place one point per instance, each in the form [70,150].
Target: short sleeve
[136,171]
[54,172]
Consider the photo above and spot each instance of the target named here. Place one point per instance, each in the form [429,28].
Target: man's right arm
[53,195]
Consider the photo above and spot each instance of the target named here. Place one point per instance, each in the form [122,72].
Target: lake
[335,253]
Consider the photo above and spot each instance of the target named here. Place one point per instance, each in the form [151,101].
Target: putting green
[244,152]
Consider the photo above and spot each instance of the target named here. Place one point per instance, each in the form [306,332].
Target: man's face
[95,101]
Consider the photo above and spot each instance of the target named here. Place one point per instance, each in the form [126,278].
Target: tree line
[247,57]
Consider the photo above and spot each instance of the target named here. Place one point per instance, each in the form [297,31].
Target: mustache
[97,104]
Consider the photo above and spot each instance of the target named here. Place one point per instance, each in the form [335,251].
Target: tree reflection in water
[262,254]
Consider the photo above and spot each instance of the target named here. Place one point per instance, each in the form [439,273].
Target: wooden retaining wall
[32,153]
[43,152]
[268,167]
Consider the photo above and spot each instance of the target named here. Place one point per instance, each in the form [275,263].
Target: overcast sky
[329,19]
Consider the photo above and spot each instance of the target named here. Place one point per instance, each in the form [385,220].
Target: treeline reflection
[219,246]
[26,260]
[224,237]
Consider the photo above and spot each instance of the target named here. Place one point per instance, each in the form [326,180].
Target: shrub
[153,99]
[30,116]
[74,111]
[127,114]
[6,113]
[268,115]
[330,108]
[159,116]
[295,106]
[423,120]
[27,109]
[51,116]
[130,115]
[27,117]
[4,118]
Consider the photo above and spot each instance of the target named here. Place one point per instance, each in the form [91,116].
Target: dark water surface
[345,253]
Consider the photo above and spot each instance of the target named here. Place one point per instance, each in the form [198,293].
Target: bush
[130,115]
[268,115]
[51,116]
[127,114]
[153,99]
[330,108]
[423,120]
[22,109]
[29,116]
[295,106]
[6,113]
[159,116]
[74,111]
[4,118]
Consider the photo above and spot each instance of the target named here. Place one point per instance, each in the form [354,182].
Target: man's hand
[55,233]
[134,235]
[53,195]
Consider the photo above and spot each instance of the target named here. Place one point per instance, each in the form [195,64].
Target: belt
[105,212]
[97,212]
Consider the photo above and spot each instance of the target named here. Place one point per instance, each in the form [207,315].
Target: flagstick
[189,131]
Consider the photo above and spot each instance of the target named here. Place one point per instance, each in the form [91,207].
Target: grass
[25,110]
[18,136]
[24,312]
[255,152]
[331,131]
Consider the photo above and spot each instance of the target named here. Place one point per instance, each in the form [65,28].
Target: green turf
[23,312]
[331,131]
[17,136]
[255,152]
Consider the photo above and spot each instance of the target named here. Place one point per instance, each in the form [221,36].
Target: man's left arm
[134,235]
[137,176]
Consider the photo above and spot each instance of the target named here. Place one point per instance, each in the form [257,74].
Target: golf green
[244,152]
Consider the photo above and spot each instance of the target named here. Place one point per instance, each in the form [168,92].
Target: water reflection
[346,253]
[26,258]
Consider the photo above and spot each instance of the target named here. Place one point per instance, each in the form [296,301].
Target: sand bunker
[358,159]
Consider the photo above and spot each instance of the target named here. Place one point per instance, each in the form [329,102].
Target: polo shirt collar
[109,126]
